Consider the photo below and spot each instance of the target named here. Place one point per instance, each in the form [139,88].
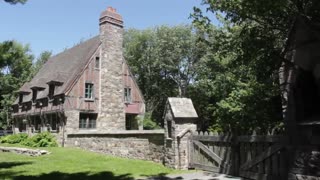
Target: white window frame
[89,91]
[127,95]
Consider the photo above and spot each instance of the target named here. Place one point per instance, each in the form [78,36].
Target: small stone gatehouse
[88,87]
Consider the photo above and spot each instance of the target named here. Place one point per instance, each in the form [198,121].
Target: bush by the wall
[14,139]
[28,142]
[44,139]
[148,123]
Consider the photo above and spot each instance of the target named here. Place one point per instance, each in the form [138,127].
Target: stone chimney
[112,112]
[111,16]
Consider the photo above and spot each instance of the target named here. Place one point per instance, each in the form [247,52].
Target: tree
[163,60]
[16,1]
[245,52]
[177,55]
[41,60]
[16,68]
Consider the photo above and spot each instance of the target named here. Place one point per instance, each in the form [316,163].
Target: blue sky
[58,24]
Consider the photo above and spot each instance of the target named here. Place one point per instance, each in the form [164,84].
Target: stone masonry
[146,145]
[169,146]
[179,122]
[112,114]
[72,119]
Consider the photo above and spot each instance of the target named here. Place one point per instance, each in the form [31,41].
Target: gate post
[235,149]
[179,122]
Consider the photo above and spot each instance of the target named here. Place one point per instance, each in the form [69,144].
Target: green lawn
[71,163]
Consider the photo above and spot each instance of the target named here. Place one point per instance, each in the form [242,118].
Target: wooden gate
[252,157]
[210,152]
[262,157]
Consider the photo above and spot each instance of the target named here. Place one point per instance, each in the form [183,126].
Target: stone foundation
[145,145]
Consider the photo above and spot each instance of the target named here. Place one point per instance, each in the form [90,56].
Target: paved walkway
[196,176]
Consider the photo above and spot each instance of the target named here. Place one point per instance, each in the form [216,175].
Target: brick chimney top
[111,16]
[111,9]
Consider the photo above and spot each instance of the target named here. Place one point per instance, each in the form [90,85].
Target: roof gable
[63,67]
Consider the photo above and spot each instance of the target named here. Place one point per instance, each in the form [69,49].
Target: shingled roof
[63,67]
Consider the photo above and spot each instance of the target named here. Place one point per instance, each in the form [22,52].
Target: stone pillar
[179,122]
[72,121]
[112,115]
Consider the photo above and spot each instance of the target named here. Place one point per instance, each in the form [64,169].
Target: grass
[72,163]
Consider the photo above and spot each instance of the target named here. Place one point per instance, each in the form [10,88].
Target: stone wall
[146,145]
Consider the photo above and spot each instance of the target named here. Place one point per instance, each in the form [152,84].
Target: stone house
[88,87]
[89,99]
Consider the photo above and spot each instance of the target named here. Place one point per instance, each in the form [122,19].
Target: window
[20,98]
[127,95]
[53,122]
[92,123]
[82,123]
[34,95]
[132,122]
[128,124]
[169,126]
[97,63]
[87,120]
[37,123]
[51,91]
[88,91]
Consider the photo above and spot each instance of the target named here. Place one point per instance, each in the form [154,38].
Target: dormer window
[52,87]
[34,95]
[21,93]
[35,90]
[51,90]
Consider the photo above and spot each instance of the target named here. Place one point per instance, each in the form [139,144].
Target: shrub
[28,142]
[44,139]
[14,139]
[148,123]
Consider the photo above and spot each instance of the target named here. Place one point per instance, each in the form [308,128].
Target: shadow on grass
[161,176]
[75,176]
[7,165]
[6,173]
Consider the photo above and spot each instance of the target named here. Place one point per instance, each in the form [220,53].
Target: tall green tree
[163,60]
[234,96]
[15,69]
[244,57]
